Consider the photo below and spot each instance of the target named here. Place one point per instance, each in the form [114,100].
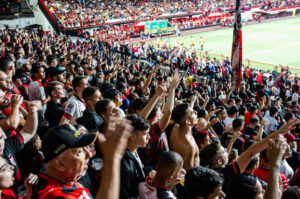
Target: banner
[237,54]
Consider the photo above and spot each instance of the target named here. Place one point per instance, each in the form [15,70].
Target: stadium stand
[103,117]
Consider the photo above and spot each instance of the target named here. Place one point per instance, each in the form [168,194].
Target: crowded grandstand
[126,100]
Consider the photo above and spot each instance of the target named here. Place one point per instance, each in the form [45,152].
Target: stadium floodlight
[32,4]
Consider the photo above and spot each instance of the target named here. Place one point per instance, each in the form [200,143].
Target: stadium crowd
[79,13]
[112,119]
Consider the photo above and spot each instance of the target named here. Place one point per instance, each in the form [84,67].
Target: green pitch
[276,42]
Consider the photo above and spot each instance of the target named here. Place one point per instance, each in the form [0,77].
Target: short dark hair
[291,193]
[110,93]
[137,104]
[200,182]
[179,113]
[264,155]
[273,110]
[36,68]
[138,122]
[209,154]
[50,58]
[76,67]
[254,119]
[288,116]
[242,110]
[252,162]
[168,161]
[51,87]
[237,123]
[245,187]
[89,92]
[5,63]
[101,105]
[106,85]
[154,111]
[76,82]
[233,110]
[221,108]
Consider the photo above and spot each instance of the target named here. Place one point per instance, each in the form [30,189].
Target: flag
[236,54]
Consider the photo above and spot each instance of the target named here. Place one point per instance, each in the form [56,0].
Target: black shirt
[294,161]
[219,128]
[12,146]
[90,120]
[139,92]
[230,173]
[54,113]
[90,181]
[163,193]
[250,131]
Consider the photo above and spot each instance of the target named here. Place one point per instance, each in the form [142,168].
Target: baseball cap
[233,110]
[56,70]
[64,137]
[21,62]
[189,94]
[289,137]
[200,135]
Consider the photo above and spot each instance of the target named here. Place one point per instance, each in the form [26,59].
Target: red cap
[289,137]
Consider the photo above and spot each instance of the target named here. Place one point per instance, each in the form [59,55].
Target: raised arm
[258,137]
[12,122]
[245,157]
[31,123]
[228,94]
[113,147]
[149,78]
[159,91]
[235,135]
[276,152]
[164,121]
[206,100]
[261,104]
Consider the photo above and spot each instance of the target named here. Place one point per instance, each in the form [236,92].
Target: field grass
[276,42]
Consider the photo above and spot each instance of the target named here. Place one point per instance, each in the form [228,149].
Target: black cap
[233,110]
[60,138]
[56,71]
[189,94]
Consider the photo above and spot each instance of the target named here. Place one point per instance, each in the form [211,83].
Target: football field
[276,42]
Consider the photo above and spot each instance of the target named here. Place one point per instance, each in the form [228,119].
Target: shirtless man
[181,138]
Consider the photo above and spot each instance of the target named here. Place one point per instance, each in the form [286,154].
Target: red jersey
[48,188]
[9,194]
[263,174]
[248,117]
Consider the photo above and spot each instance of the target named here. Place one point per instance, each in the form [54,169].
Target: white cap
[21,62]
[221,97]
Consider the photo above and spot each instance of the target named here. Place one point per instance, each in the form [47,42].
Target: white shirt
[271,124]
[295,97]
[286,170]
[74,109]
[228,121]
[269,85]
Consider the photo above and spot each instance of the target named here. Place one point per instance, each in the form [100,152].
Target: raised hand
[114,141]
[16,100]
[160,90]
[34,106]
[288,126]
[18,83]
[176,80]
[154,69]
[263,123]
[276,151]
